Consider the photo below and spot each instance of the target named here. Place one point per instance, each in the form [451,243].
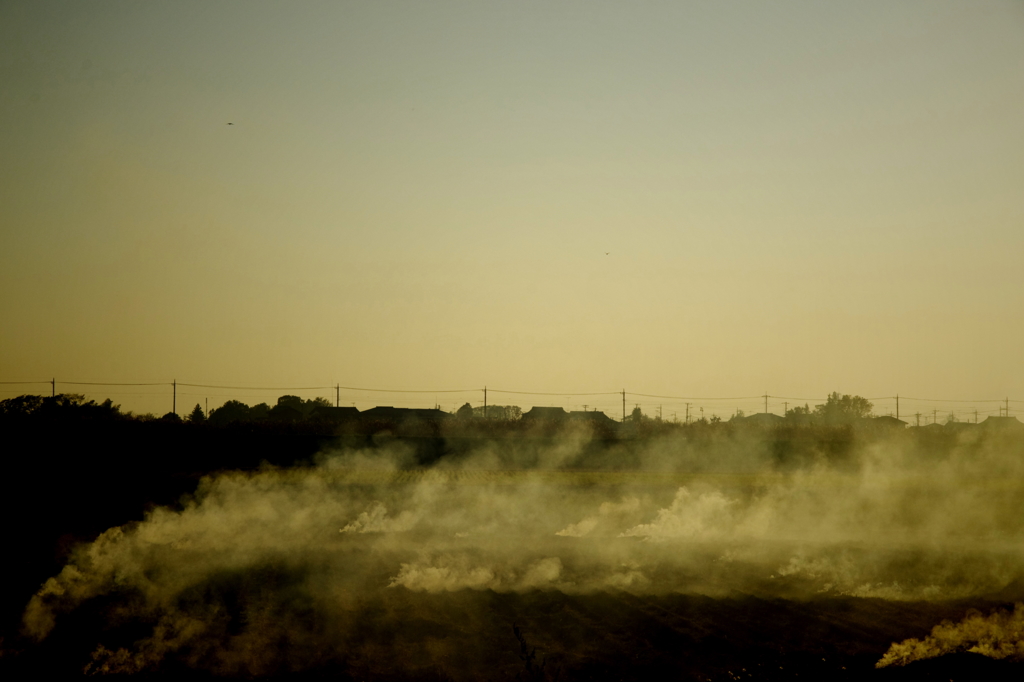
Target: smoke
[998,635]
[277,570]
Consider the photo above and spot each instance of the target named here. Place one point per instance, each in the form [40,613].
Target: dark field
[697,556]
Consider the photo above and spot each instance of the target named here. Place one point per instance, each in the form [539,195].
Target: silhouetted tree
[465,412]
[843,408]
[798,411]
[196,416]
[60,407]
[231,411]
[510,412]
[21,406]
[259,412]
[288,408]
[294,408]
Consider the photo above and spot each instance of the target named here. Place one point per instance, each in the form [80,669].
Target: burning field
[513,561]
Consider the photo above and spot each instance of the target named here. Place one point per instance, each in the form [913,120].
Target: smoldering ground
[377,568]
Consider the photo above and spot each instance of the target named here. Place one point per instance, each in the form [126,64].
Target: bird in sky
[231,124]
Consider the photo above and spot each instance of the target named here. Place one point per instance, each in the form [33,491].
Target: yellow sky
[691,199]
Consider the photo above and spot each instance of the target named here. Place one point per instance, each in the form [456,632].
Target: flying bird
[231,124]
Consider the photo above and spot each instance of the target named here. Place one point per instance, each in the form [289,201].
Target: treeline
[293,414]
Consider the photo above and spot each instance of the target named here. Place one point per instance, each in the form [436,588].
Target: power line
[567,395]
[494,390]
[395,390]
[259,388]
[950,400]
[100,383]
[677,397]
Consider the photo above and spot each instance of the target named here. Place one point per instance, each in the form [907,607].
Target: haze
[690,199]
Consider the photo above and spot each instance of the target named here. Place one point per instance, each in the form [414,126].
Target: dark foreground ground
[64,488]
[607,636]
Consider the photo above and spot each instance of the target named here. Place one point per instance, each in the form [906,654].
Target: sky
[703,199]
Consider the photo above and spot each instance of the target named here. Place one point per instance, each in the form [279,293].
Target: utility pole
[207,408]
[918,415]
[935,417]
[174,400]
[1007,406]
[897,405]
[337,395]
[785,408]
[53,387]
[659,412]
[687,413]
[584,408]
[623,406]
[485,402]
[766,402]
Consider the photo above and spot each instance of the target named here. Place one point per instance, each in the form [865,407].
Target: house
[592,417]
[1002,424]
[401,415]
[550,414]
[886,422]
[334,415]
[761,419]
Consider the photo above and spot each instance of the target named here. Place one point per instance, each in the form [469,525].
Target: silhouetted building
[884,422]
[1002,424]
[761,419]
[400,415]
[553,414]
[592,417]
[334,414]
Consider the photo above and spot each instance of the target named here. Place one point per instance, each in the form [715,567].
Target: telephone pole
[897,405]
[766,402]
[53,387]
[623,406]
[485,402]
[687,413]
[174,400]
[918,415]
[337,395]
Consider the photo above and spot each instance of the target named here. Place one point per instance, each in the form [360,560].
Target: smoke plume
[276,570]
[998,635]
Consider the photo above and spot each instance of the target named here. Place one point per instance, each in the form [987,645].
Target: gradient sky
[794,197]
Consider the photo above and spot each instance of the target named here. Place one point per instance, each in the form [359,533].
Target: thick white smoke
[269,570]
[998,635]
